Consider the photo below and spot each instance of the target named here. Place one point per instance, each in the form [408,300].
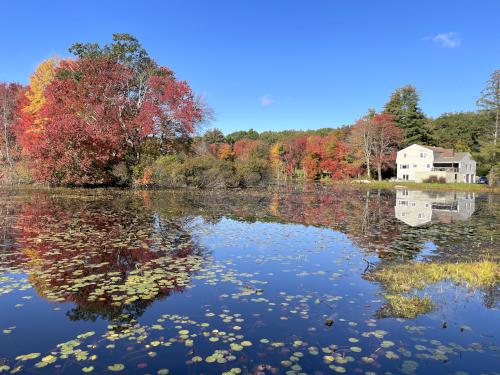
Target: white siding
[467,168]
[411,159]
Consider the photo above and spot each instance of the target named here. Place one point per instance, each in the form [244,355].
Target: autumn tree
[35,94]
[311,161]
[244,148]
[101,107]
[225,152]
[362,139]
[276,157]
[327,155]
[31,121]
[387,136]
[403,106]
[9,97]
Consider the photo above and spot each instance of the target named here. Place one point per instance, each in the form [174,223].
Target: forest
[112,116]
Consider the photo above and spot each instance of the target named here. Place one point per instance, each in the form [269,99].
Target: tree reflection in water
[111,256]
[112,253]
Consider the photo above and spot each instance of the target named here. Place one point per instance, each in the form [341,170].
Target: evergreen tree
[489,102]
[403,106]
[214,136]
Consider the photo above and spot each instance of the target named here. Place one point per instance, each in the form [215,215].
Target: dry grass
[406,277]
[398,306]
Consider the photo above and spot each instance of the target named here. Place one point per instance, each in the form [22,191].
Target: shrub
[253,171]
[121,173]
[222,174]
[435,179]
[208,172]
[168,171]
[483,170]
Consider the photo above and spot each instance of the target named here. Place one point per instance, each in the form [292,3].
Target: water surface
[314,281]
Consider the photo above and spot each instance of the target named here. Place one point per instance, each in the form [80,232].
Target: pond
[309,280]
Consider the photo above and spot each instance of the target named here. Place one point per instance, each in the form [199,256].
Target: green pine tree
[403,106]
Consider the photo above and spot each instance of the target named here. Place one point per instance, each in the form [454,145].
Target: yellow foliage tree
[39,80]
[276,162]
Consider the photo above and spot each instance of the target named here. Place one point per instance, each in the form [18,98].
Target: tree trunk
[495,137]
[379,171]
[368,168]
[6,136]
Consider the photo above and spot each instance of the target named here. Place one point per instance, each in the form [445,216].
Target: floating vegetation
[415,275]
[399,306]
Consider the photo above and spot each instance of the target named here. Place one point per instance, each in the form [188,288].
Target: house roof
[445,155]
[440,151]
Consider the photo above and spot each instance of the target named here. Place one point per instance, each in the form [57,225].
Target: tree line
[111,115]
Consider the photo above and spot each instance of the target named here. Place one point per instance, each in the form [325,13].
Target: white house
[416,208]
[420,163]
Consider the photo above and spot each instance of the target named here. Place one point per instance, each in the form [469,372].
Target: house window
[404,155]
[428,165]
[423,154]
[414,166]
[404,166]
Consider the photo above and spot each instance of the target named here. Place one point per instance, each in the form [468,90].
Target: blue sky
[280,64]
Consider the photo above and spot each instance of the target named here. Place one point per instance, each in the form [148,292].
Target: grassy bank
[299,183]
[429,186]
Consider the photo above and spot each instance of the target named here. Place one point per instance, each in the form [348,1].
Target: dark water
[314,281]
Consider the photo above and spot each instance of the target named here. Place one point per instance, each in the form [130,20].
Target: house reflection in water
[415,208]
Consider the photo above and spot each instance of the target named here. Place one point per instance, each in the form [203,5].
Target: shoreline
[358,184]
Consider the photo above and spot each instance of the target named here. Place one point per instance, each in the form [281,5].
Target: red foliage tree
[244,147]
[387,136]
[311,167]
[96,118]
[327,155]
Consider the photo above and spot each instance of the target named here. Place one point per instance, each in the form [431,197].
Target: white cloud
[266,101]
[446,40]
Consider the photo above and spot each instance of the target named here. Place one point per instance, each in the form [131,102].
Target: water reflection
[110,257]
[415,208]
[312,279]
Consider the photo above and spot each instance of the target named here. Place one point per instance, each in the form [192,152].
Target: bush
[253,171]
[168,171]
[121,173]
[222,174]
[483,170]
[23,173]
[435,180]
[208,172]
